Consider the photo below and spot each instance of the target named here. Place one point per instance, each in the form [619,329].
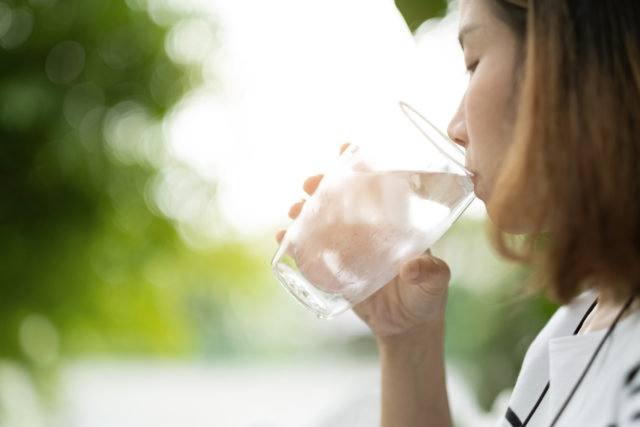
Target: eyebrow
[466,30]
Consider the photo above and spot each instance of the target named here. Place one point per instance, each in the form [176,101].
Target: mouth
[475,179]
[473,175]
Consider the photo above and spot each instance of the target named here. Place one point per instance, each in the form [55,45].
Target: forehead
[478,16]
[474,13]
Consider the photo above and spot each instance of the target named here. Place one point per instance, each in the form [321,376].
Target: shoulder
[564,321]
[567,318]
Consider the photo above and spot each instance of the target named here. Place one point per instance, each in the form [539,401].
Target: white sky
[290,81]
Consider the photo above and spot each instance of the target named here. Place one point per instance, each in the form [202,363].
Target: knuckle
[438,269]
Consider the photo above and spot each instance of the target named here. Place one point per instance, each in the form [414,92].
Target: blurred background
[149,151]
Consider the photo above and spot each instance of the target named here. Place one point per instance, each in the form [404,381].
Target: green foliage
[415,12]
[79,237]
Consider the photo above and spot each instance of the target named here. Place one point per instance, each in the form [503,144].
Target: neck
[607,309]
[607,299]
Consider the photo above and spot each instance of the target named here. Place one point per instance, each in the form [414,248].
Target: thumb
[426,269]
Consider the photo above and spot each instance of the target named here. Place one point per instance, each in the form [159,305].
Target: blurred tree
[415,12]
[84,86]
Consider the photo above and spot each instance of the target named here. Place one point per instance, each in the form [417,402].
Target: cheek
[481,126]
[487,100]
[488,123]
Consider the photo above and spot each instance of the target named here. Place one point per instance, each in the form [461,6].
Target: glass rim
[407,110]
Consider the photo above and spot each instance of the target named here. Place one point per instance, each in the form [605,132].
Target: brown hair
[578,134]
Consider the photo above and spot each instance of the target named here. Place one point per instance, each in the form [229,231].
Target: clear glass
[366,218]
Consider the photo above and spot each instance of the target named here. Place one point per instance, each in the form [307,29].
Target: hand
[412,300]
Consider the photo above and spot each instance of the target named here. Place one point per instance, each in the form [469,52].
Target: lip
[475,179]
[474,176]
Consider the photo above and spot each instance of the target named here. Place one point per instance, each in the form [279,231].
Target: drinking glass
[369,215]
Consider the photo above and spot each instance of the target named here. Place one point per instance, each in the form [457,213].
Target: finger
[344,147]
[426,268]
[295,209]
[280,235]
[311,184]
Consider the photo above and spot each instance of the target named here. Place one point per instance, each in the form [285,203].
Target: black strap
[510,415]
[513,418]
[584,318]
[595,354]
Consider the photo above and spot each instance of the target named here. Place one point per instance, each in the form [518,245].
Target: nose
[457,129]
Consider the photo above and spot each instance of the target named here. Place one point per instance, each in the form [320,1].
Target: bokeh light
[15,25]
[65,62]
[39,339]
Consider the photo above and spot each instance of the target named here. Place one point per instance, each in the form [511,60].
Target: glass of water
[366,218]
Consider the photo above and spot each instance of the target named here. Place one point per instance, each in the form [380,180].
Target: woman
[551,126]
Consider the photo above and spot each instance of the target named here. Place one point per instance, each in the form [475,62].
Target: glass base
[324,305]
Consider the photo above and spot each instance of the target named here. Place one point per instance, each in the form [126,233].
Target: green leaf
[415,12]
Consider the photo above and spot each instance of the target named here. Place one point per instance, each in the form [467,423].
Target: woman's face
[484,121]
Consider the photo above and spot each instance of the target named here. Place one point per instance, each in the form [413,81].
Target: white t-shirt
[609,394]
